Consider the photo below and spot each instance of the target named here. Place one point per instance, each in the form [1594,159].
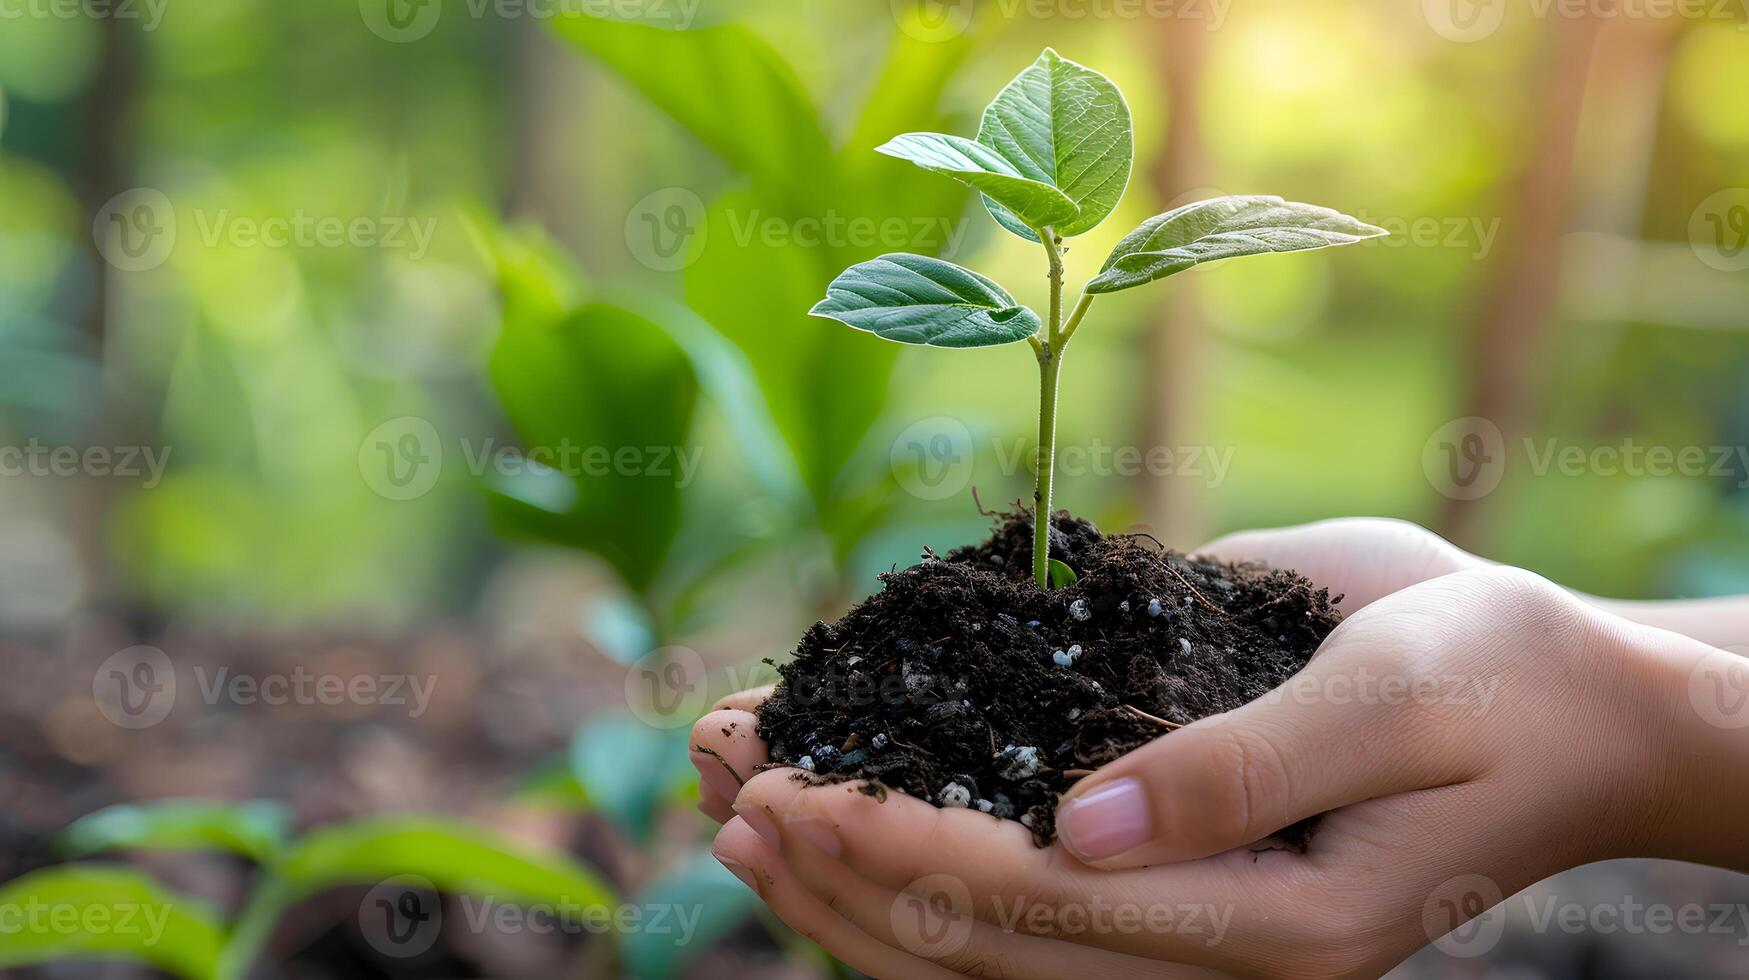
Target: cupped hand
[1468,730]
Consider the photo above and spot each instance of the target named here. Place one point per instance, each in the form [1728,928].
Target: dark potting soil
[964,684]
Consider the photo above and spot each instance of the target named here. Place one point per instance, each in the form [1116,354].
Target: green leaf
[97,913]
[727,87]
[825,388]
[914,299]
[255,830]
[1027,194]
[698,882]
[627,768]
[599,379]
[1223,228]
[454,856]
[1068,126]
[1061,575]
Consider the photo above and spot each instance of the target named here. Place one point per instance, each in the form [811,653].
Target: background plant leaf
[915,299]
[597,377]
[627,768]
[455,856]
[254,829]
[115,914]
[699,882]
[1223,228]
[1066,125]
[728,88]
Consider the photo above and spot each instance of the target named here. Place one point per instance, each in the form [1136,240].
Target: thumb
[1362,558]
[1360,721]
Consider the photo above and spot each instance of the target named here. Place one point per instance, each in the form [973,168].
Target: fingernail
[761,823]
[712,774]
[817,832]
[739,870]
[1106,822]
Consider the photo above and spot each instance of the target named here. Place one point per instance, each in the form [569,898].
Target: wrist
[1696,710]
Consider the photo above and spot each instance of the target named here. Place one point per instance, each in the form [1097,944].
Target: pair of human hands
[1469,729]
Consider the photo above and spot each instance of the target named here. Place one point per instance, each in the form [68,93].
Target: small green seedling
[1052,159]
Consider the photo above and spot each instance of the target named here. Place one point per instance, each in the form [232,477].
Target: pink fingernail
[713,775]
[761,823]
[817,832]
[740,871]
[1106,822]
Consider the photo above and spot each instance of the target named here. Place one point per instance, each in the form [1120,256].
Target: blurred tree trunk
[1175,348]
[546,186]
[1517,307]
[106,150]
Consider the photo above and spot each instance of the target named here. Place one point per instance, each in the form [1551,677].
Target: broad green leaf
[627,768]
[1068,126]
[906,96]
[1014,183]
[825,388]
[914,299]
[1223,228]
[454,856]
[599,380]
[1061,575]
[699,883]
[86,912]
[255,830]
[728,88]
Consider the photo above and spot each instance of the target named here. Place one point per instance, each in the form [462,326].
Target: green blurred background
[512,228]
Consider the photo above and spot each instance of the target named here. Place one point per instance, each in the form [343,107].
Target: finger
[726,749]
[757,864]
[748,700]
[934,916]
[1212,913]
[1363,558]
[1372,715]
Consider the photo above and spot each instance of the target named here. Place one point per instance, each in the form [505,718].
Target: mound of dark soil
[964,684]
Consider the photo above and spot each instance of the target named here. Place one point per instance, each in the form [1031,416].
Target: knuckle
[1526,602]
[1246,775]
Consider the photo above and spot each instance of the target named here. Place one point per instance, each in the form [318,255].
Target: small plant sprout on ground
[1052,158]
[996,676]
